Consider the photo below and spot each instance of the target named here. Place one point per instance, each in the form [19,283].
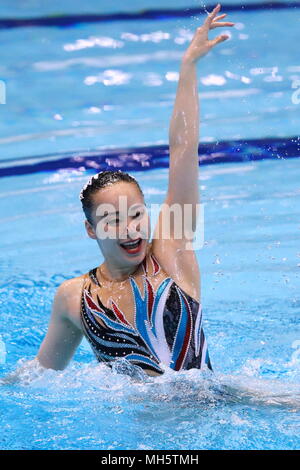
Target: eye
[139,214]
[113,221]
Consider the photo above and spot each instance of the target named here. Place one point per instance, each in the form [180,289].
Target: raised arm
[183,185]
[176,253]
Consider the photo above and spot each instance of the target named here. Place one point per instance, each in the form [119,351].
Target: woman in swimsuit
[143,302]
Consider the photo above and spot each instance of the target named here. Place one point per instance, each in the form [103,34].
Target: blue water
[111,84]
[250,262]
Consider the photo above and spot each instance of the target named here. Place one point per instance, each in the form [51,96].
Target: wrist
[188,61]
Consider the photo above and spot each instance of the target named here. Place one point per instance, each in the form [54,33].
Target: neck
[117,274]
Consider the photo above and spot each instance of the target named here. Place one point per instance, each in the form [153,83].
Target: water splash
[90,406]
[128,382]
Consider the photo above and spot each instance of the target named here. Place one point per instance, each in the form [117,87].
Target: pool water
[250,291]
[113,84]
[250,261]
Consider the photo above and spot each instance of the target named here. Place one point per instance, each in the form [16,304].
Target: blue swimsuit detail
[168,327]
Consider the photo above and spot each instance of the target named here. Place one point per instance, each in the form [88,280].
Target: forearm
[184,125]
[184,139]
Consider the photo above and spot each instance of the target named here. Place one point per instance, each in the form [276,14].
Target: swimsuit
[167,326]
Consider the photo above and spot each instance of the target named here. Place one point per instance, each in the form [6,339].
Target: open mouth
[133,246]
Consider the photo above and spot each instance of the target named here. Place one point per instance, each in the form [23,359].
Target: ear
[90,230]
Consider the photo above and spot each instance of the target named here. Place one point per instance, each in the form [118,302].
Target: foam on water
[128,382]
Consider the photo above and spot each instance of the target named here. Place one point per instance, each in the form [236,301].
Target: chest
[164,329]
[136,294]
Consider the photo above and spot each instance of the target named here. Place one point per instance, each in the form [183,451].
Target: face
[121,224]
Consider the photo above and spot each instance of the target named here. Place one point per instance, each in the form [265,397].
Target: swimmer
[143,303]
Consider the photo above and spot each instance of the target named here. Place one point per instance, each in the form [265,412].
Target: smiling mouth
[132,247]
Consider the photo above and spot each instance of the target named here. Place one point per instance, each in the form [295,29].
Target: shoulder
[70,287]
[68,297]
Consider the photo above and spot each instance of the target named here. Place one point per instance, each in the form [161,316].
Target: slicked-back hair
[99,181]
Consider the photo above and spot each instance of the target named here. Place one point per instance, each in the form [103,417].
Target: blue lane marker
[158,14]
[149,158]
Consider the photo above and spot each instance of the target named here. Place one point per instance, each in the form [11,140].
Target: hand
[200,44]
[30,370]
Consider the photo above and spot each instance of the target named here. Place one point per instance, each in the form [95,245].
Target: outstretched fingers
[217,25]
[218,39]
[211,16]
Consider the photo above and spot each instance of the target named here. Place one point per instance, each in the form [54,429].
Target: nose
[131,229]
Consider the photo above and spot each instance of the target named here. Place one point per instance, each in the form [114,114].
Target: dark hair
[100,181]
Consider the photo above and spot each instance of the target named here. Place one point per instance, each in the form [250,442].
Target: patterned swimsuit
[167,326]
